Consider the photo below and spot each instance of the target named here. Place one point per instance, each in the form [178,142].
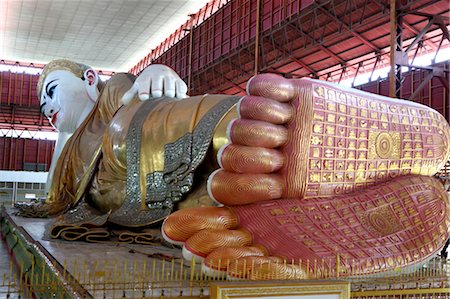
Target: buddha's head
[66,90]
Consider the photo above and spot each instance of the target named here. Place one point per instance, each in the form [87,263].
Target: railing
[175,278]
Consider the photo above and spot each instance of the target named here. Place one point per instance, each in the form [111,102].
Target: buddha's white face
[64,100]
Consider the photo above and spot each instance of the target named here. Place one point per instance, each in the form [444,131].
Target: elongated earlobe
[91,76]
[91,81]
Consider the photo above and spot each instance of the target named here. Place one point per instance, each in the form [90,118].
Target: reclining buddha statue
[298,169]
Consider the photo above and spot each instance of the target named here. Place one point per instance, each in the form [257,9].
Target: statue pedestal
[59,268]
[62,269]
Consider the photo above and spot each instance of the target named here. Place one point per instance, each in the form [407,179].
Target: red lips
[54,118]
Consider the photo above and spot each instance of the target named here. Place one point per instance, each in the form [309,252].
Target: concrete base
[61,269]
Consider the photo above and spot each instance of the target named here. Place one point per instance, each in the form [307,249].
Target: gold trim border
[246,289]
[424,291]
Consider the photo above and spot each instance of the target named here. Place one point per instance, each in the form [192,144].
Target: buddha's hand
[155,81]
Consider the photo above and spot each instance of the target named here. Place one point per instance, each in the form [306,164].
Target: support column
[396,51]
[14,194]
[258,15]
[189,71]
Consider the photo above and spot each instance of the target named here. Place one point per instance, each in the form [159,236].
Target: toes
[250,165]
[271,86]
[182,224]
[231,188]
[264,268]
[257,133]
[246,159]
[219,260]
[204,242]
[264,109]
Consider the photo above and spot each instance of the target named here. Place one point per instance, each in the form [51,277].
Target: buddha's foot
[298,181]
[397,224]
[317,139]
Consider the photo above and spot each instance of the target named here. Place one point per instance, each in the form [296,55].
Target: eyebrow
[46,86]
[42,106]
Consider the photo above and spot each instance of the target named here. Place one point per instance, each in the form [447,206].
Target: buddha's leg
[315,140]
[399,223]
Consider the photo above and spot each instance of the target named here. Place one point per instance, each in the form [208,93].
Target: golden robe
[134,163]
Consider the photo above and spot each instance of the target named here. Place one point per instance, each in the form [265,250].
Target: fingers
[169,87]
[142,89]
[181,89]
[154,82]
[129,95]
[174,88]
[156,87]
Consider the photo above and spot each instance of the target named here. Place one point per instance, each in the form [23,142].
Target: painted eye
[42,107]
[51,90]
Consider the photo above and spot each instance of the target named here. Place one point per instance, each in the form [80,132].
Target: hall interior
[398,49]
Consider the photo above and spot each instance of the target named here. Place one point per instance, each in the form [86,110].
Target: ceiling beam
[292,57]
[322,47]
[416,32]
[352,31]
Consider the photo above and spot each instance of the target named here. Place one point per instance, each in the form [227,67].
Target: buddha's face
[64,99]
